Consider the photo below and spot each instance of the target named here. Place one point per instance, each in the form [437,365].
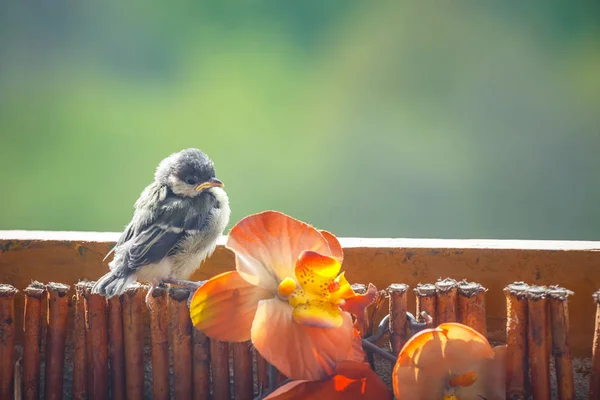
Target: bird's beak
[212,182]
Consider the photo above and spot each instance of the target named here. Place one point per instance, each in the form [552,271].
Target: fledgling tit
[175,226]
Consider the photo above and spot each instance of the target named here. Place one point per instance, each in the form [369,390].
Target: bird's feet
[153,285]
[193,286]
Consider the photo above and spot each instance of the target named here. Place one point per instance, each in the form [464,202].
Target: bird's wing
[158,238]
[125,236]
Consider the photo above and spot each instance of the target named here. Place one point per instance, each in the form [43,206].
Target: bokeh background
[374,119]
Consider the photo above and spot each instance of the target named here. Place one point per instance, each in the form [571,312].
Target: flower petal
[491,378]
[315,272]
[357,353]
[318,313]
[463,380]
[352,380]
[224,307]
[465,347]
[298,351]
[427,359]
[420,372]
[334,245]
[343,289]
[412,349]
[359,302]
[268,244]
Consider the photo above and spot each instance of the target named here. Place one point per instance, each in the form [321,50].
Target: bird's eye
[191,181]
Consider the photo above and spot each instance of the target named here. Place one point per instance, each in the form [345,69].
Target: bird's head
[187,173]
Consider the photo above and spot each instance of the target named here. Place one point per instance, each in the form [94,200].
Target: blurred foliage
[376,119]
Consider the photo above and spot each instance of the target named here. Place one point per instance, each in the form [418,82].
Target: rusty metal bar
[517,364]
[159,336]
[133,339]
[471,306]
[201,366]
[594,389]
[447,300]
[56,335]
[399,329]
[116,349]
[96,334]
[80,356]
[426,300]
[219,361]
[559,323]
[537,342]
[32,327]
[262,373]
[243,388]
[7,344]
[181,330]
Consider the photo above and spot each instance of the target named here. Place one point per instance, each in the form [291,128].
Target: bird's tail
[113,284]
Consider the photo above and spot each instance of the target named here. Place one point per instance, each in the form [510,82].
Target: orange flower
[351,381]
[285,295]
[450,362]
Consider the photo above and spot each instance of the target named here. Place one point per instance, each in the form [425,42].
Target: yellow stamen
[286,287]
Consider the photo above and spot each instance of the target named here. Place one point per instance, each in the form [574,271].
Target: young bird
[175,226]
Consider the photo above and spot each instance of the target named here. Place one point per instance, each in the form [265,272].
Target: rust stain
[6,246]
[80,249]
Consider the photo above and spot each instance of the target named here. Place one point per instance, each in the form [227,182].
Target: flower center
[317,290]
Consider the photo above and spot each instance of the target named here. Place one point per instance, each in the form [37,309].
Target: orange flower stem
[537,341]
[559,323]
[447,302]
[471,306]
[595,375]
[32,339]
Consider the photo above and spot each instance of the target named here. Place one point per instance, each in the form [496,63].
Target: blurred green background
[374,119]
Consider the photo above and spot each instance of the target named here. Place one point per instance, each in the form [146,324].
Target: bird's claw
[193,286]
